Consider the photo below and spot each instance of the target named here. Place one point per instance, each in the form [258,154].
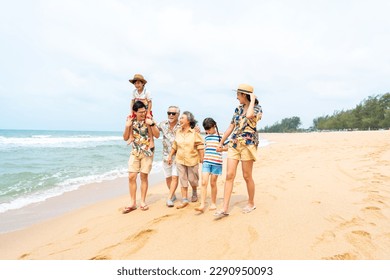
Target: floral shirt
[141,139]
[245,129]
[168,137]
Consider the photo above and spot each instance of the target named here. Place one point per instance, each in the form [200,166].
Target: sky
[65,64]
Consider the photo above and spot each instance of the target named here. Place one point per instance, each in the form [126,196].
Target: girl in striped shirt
[212,163]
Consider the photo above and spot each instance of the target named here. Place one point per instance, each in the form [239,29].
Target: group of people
[184,149]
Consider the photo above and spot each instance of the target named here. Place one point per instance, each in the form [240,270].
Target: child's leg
[213,183]
[151,142]
[205,181]
[151,139]
[131,137]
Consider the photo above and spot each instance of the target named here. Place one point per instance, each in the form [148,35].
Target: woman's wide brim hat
[244,88]
[138,77]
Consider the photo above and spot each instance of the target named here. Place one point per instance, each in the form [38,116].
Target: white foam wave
[69,185]
[264,142]
[56,142]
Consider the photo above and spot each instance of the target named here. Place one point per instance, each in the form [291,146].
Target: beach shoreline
[319,196]
[53,207]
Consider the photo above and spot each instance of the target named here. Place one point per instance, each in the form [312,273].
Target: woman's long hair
[248,97]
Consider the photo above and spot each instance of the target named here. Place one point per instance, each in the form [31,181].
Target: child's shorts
[212,168]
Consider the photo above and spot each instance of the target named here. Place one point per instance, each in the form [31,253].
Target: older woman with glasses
[189,150]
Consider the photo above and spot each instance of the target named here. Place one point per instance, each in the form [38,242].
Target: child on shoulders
[141,94]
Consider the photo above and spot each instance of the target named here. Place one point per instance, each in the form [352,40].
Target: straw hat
[138,77]
[244,88]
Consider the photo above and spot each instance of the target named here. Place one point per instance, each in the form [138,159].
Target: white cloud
[304,58]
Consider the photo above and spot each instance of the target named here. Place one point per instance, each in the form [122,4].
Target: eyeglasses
[141,112]
[172,113]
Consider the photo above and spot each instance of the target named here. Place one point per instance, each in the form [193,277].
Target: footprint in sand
[345,256]
[373,210]
[83,230]
[327,236]
[342,223]
[100,257]
[128,246]
[361,240]
[159,219]
[253,234]
[24,256]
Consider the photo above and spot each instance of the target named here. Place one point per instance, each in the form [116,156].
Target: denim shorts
[211,168]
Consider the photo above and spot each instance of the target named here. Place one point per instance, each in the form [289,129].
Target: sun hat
[244,88]
[138,77]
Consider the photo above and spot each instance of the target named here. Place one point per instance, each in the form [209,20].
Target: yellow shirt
[186,145]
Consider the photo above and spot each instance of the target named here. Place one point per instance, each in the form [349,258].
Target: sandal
[212,207]
[200,209]
[183,204]
[144,207]
[247,209]
[194,197]
[220,214]
[129,209]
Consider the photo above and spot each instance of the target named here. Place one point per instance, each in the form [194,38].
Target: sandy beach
[319,196]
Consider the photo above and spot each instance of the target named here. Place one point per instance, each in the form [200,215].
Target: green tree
[371,113]
[286,125]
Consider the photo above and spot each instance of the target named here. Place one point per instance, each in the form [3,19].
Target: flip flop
[182,205]
[144,208]
[220,214]
[199,209]
[129,209]
[248,209]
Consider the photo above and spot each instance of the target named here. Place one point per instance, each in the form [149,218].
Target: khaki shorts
[188,174]
[140,163]
[242,152]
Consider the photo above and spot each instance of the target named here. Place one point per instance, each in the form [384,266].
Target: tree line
[372,113]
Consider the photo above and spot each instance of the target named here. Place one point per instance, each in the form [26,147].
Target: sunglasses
[171,113]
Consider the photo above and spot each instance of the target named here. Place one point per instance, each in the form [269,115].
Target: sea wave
[68,185]
[57,142]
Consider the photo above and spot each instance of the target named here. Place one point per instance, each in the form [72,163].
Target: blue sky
[66,64]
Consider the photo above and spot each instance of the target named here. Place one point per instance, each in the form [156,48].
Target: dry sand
[318,196]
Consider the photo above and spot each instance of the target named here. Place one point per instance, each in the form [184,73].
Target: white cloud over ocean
[66,64]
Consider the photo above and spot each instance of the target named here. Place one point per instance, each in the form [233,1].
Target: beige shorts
[242,152]
[188,175]
[140,163]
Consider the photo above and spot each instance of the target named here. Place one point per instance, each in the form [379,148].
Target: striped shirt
[211,156]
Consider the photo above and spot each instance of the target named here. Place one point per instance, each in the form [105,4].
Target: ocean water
[36,165]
